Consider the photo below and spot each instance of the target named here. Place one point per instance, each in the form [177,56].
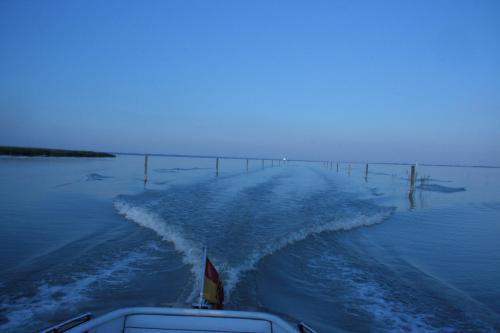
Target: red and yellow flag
[213,289]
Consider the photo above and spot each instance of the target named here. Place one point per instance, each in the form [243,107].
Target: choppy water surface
[334,249]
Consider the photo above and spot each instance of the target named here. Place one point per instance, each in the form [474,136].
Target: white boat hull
[179,320]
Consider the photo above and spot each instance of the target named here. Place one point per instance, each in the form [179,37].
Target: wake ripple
[343,224]
[192,252]
[50,297]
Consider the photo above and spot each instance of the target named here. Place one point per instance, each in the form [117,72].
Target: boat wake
[148,219]
[64,295]
[293,237]
[192,251]
[368,295]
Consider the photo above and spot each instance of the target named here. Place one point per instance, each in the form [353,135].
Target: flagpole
[202,276]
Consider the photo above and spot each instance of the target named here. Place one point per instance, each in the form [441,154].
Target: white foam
[192,254]
[370,296]
[398,316]
[148,219]
[144,217]
[299,235]
[49,298]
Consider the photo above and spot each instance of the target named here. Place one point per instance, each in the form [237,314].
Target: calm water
[333,249]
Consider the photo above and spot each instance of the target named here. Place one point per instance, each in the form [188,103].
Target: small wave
[96,177]
[64,184]
[167,170]
[429,179]
[395,304]
[440,188]
[49,298]
[163,170]
[337,225]
[147,219]
[375,191]
[380,173]
[398,316]
[150,220]
[371,296]
[192,253]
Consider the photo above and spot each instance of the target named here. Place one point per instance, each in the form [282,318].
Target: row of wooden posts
[280,162]
[413,177]
[328,164]
[248,163]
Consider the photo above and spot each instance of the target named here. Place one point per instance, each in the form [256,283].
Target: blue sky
[414,81]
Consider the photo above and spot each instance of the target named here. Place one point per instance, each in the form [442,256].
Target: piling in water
[413,177]
[217,166]
[145,168]
[247,164]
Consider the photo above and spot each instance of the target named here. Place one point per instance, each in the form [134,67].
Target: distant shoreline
[32,152]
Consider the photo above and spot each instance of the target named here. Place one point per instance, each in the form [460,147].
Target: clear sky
[409,81]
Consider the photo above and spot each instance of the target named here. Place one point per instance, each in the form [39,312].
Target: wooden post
[247,164]
[413,177]
[217,166]
[337,166]
[366,171]
[145,168]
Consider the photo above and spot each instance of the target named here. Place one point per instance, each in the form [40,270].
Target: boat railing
[69,324]
[303,328]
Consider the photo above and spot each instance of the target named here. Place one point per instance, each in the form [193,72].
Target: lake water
[334,249]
